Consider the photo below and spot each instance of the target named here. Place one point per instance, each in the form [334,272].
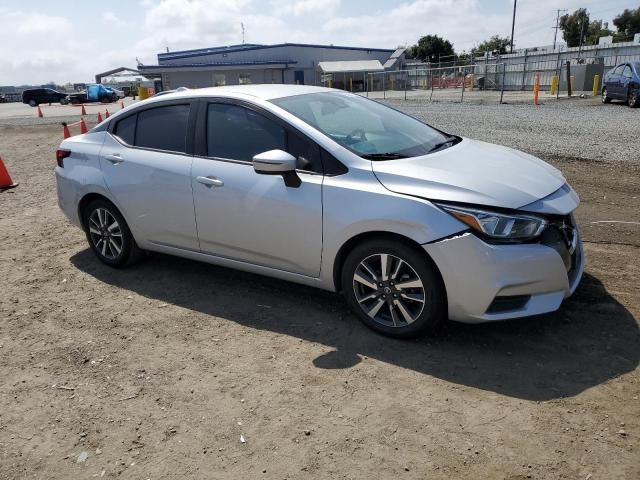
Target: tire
[33,103]
[632,99]
[114,246]
[389,309]
[605,97]
[64,101]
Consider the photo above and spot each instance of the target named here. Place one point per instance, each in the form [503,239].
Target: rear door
[147,164]
[625,81]
[247,216]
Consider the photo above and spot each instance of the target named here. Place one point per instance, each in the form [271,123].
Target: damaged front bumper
[487,282]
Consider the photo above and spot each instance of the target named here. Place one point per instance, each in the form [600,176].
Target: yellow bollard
[143,93]
[596,81]
[392,81]
[573,83]
[471,82]
[329,83]
[554,84]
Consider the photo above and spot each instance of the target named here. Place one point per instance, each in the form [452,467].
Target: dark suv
[36,96]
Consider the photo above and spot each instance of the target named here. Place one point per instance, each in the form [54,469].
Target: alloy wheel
[106,233]
[389,290]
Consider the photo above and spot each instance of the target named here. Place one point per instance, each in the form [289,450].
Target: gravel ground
[176,370]
[576,128]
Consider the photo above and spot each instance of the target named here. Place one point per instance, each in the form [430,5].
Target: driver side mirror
[277,162]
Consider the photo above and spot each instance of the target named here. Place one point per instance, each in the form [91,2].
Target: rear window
[163,128]
[125,130]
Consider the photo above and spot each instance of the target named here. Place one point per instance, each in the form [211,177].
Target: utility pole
[513,24]
[555,35]
[584,15]
[242,27]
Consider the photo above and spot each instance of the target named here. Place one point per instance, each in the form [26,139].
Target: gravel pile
[580,129]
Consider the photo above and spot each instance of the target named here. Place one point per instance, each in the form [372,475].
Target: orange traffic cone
[65,131]
[121,105]
[99,117]
[106,114]
[83,126]
[40,115]
[83,112]
[5,178]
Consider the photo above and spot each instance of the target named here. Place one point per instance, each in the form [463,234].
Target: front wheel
[394,288]
[605,96]
[33,103]
[109,236]
[632,99]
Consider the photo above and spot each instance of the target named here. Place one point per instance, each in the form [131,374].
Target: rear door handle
[210,181]
[114,158]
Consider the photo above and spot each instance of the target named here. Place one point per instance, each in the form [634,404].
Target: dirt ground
[174,369]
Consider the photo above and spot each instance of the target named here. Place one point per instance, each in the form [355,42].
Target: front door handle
[210,181]
[114,158]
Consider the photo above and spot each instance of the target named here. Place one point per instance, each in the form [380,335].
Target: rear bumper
[68,197]
[475,273]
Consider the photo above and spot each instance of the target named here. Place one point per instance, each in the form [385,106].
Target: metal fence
[477,83]
[504,78]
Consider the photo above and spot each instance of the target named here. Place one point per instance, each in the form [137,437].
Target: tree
[572,25]
[431,48]
[628,24]
[596,30]
[496,44]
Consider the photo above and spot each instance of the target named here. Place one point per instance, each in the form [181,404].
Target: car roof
[261,91]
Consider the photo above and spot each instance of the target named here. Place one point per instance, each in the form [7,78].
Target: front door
[250,217]
[148,171]
[298,77]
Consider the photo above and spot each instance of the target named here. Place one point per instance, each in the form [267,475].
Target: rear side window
[238,133]
[125,130]
[163,128]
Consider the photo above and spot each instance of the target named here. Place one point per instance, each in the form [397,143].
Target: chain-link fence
[503,78]
[461,83]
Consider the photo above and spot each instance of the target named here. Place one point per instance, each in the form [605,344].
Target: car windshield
[365,127]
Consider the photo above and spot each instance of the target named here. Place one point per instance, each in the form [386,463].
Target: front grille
[507,303]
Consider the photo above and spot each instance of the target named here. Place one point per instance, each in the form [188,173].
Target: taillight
[61,155]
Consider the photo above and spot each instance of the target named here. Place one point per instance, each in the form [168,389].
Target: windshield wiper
[383,156]
[443,143]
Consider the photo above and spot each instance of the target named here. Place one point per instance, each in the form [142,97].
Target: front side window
[163,128]
[238,133]
[363,126]
[627,72]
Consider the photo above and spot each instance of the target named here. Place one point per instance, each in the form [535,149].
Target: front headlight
[496,225]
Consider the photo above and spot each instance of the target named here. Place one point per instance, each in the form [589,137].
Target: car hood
[472,172]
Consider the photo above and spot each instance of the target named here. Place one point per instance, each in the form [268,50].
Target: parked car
[36,96]
[332,190]
[3,98]
[622,83]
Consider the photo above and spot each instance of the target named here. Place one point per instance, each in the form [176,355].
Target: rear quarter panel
[81,174]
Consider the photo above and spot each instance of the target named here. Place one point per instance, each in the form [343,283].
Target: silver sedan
[331,190]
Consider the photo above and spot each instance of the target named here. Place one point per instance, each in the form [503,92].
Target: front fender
[356,203]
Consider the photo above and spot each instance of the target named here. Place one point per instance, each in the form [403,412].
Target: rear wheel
[393,288]
[632,99]
[33,103]
[109,236]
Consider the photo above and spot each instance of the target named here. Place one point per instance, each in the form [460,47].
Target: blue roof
[218,64]
[239,48]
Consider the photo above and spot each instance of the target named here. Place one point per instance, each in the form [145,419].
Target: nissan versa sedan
[332,190]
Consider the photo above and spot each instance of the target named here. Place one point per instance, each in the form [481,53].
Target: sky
[71,41]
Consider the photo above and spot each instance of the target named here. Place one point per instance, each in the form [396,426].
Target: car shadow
[591,340]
